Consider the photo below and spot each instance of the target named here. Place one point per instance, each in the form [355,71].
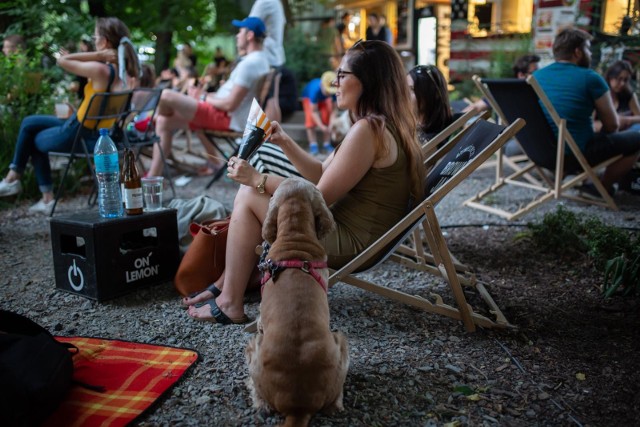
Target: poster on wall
[550,17]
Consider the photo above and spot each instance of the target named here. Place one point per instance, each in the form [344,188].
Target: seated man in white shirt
[226,109]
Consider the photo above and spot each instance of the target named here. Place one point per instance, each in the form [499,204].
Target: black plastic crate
[101,258]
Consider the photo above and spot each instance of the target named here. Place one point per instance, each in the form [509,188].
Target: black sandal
[219,316]
[211,288]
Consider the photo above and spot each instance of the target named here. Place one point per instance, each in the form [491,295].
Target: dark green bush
[303,58]
[561,231]
[614,252]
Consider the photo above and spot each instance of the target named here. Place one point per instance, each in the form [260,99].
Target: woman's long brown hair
[114,30]
[386,102]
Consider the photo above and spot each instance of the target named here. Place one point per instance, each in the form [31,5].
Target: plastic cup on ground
[152,190]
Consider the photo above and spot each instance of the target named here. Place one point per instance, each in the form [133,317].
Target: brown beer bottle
[131,185]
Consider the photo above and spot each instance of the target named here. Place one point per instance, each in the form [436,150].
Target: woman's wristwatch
[260,187]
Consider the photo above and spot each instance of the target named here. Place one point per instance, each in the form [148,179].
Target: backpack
[35,371]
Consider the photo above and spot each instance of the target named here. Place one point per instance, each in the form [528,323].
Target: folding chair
[455,161]
[513,161]
[105,110]
[145,102]
[218,137]
[514,98]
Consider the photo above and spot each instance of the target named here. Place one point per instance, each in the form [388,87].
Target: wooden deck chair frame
[217,138]
[423,216]
[465,119]
[447,173]
[523,100]
[105,106]
[149,138]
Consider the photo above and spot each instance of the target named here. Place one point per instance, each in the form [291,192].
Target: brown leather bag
[203,263]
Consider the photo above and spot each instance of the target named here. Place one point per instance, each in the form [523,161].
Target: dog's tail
[297,420]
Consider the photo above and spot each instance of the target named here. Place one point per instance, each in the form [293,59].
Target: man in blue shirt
[575,92]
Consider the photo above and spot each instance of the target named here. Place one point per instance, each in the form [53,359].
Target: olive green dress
[369,210]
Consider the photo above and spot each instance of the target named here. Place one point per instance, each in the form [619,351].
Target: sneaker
[327,147]
[10,188]
[313,149]
[42,207]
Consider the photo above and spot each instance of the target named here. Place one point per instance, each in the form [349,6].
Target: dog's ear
[270,226]
[322,215]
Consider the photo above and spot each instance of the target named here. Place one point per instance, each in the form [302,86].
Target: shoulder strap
[112,76]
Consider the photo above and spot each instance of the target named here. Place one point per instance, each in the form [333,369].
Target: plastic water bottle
[105,156]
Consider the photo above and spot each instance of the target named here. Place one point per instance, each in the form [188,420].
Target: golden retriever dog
[297,366]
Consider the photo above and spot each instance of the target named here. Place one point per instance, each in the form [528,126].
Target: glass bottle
[132,185]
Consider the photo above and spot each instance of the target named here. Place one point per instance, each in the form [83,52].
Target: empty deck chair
[516,98]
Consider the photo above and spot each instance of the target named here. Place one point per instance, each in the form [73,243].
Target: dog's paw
[335,406]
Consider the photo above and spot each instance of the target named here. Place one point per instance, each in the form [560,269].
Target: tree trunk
[5,20]
[163,50]
[96,8]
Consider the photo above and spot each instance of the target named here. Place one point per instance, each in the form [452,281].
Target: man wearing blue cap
[226,109]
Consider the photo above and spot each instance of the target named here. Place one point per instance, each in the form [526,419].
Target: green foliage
[604,241]
[613,251]
[561,231]
[164,23]
[622,273]
[302,57]
[49,26]
[25,89]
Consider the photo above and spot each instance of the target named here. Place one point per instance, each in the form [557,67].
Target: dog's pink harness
[271,269]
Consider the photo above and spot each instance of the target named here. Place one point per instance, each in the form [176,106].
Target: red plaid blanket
[133,375]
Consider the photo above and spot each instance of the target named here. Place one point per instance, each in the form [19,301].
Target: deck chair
[514,161]
[107,109]
[218,138]
[454,161]
[458,124]
[145,102]
[513,98]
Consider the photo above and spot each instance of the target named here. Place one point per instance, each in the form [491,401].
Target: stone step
[296,117]
[297,132]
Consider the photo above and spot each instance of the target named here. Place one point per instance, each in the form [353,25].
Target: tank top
[89,91]
[369,209]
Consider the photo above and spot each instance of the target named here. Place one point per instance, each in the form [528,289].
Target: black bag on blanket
[35,371]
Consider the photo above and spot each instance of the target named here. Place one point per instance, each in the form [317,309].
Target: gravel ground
[405,364]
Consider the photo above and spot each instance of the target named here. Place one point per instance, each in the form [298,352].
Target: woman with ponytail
[107,70]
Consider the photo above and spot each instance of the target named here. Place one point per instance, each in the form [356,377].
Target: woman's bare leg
[245,233]
[175,111]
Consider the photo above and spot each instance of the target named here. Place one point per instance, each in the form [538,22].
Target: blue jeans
[38,136]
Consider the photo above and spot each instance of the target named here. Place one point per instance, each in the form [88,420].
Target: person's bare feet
[207,294]
[205,313]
